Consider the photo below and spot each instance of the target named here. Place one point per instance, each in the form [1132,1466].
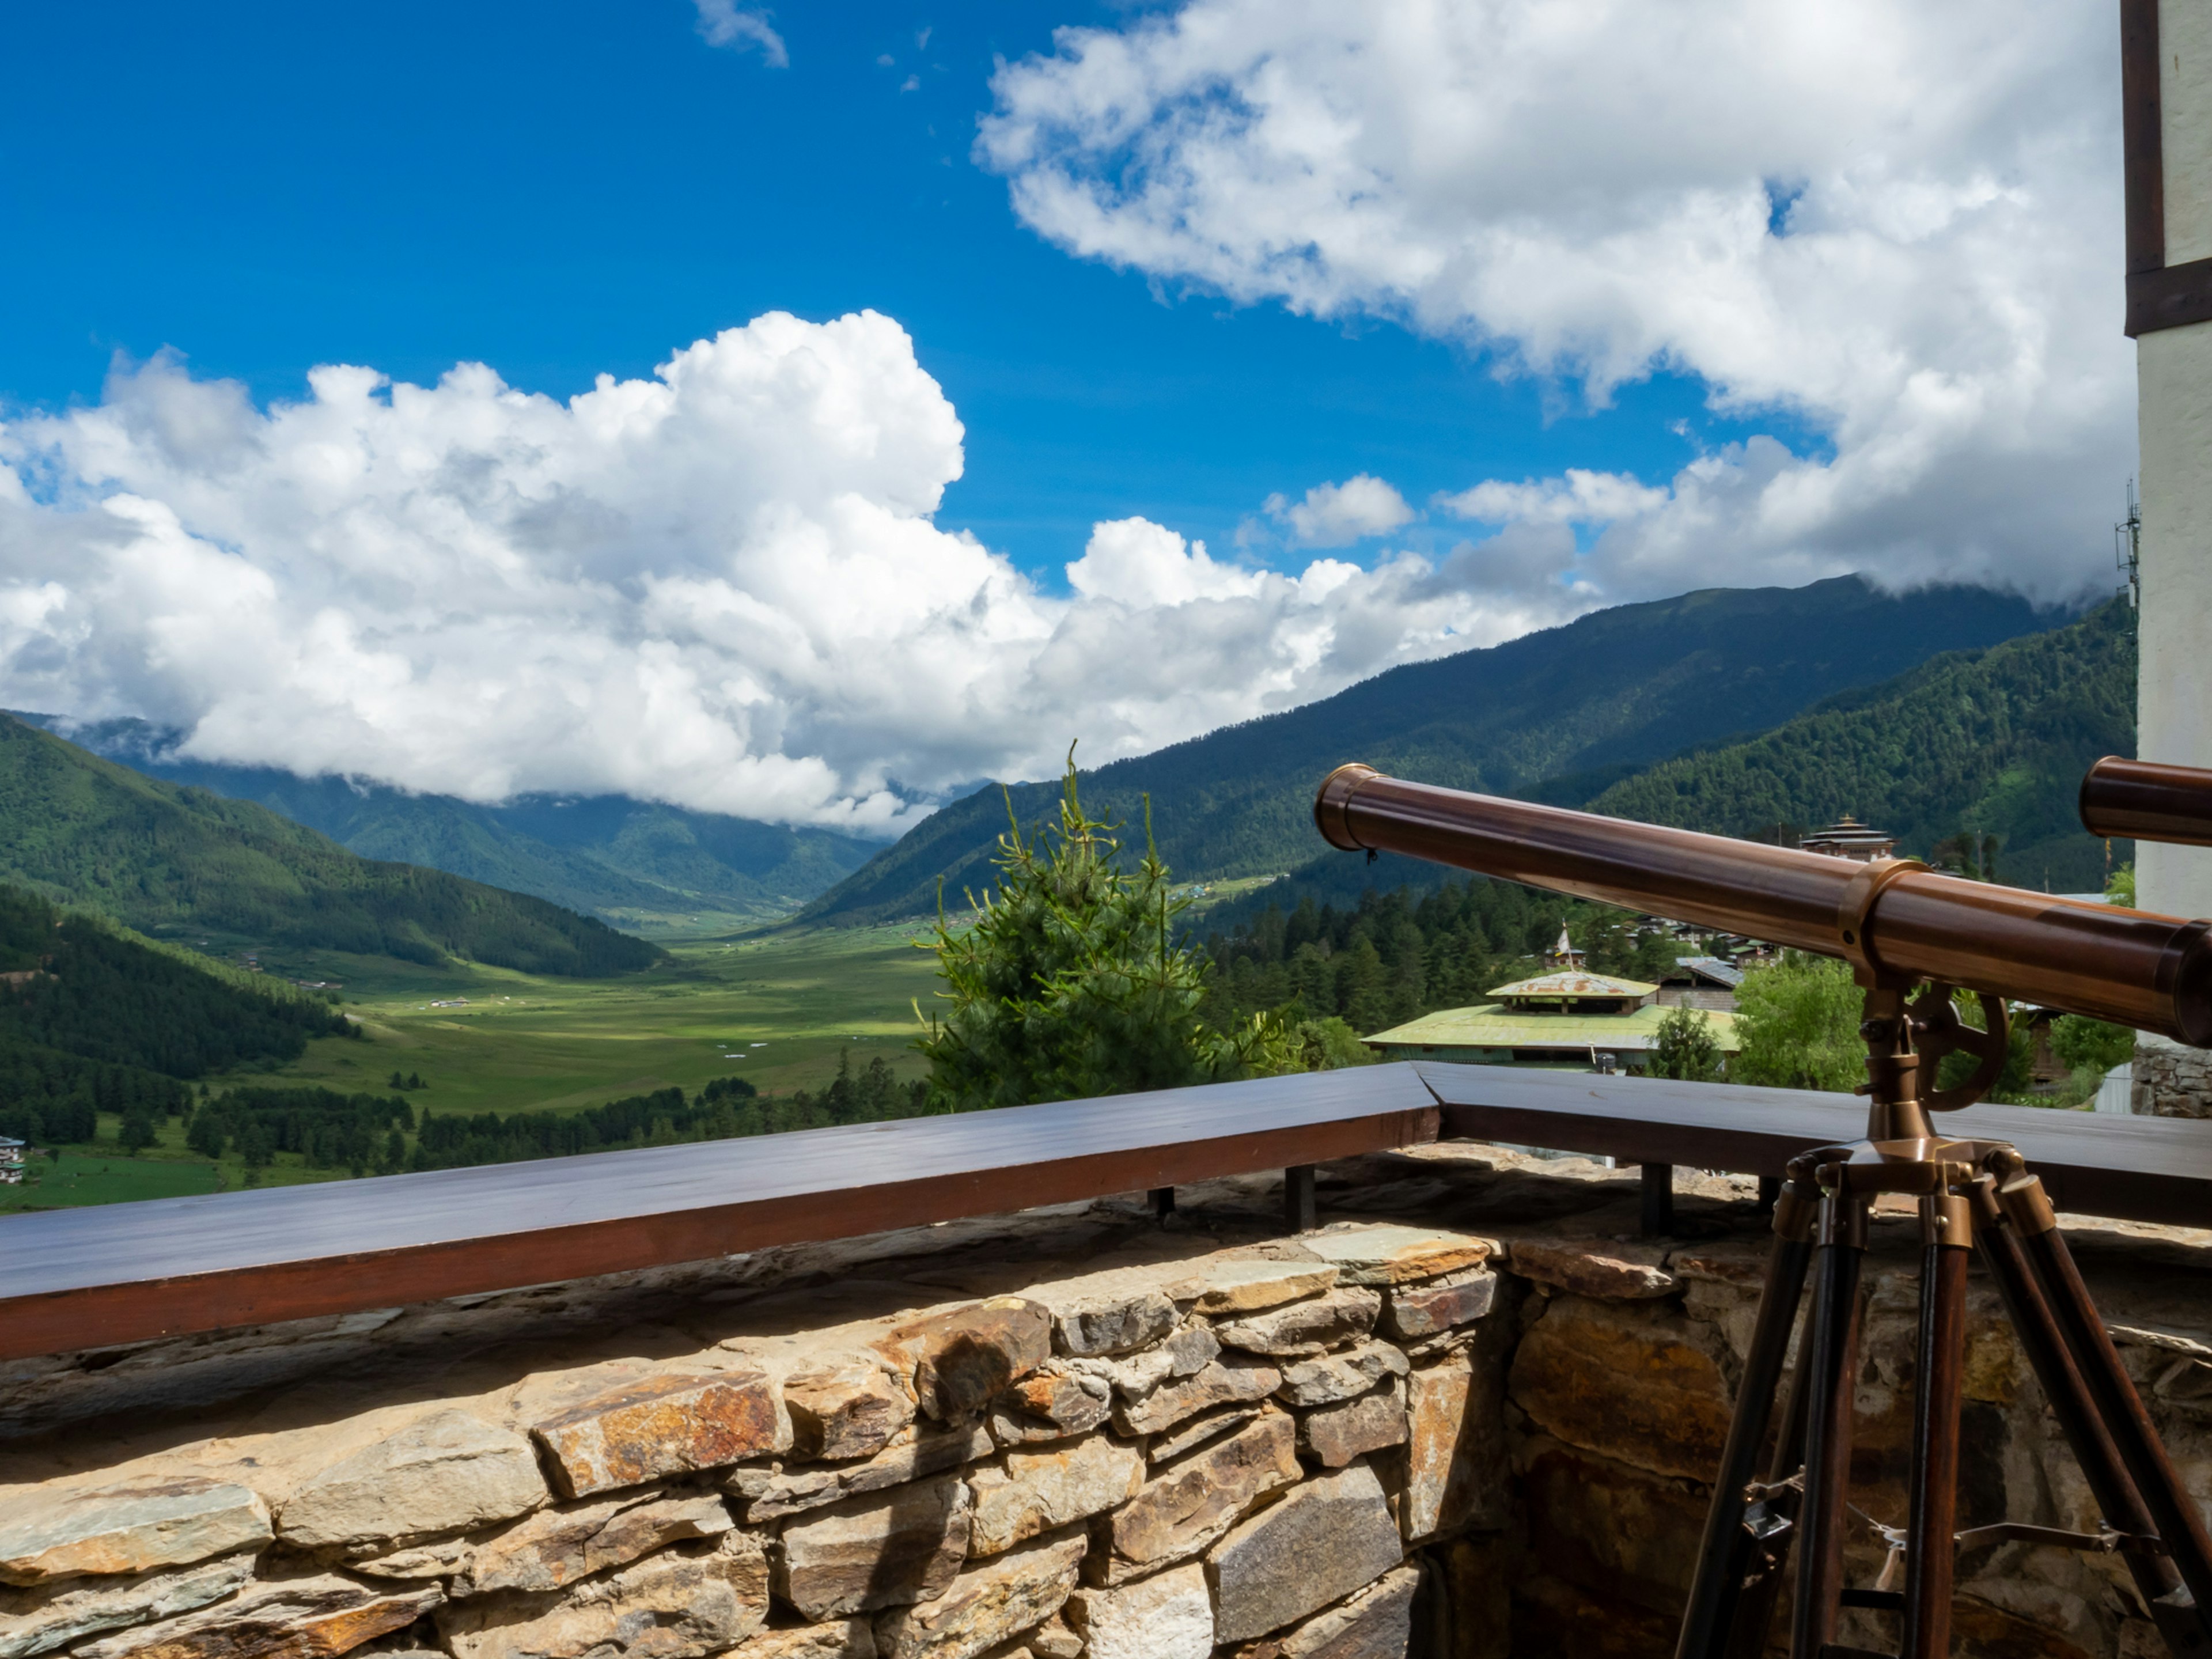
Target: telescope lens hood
[1332,802]
[2185,977]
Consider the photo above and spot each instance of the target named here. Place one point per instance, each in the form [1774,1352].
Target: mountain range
[1559,715]
[1743,711]
[173,861]
[638,865]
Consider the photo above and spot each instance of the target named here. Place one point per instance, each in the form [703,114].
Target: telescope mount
[1971,1195]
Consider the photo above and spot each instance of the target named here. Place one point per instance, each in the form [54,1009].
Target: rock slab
[841,1638]
[694,1599]
[53,1616]
[1229,1382]
[768,1492]
[1321,1542]
[1246,1285]
[1456,1456]
[1334,1435]
[52,1533]
[663,1426]
[1340,1376]
[556,1546]
[1305,1328]
[1036,1493]
[1186,1505]
[314,1617]
[844,1407]
[447,1472]
[1385,1253]
[1419,1311]
[959,1358]
[990,1603]
[1167,1616]
[1376,1624]
[876,1552]
[1113,1324]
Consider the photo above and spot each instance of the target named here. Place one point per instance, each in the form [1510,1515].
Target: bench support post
[1298,1200]
[1658,1200]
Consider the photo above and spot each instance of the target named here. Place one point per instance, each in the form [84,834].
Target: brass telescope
[1893,919]
[1898,923]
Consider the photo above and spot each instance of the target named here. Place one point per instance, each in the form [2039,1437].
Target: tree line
[93,1019]
[382,1134]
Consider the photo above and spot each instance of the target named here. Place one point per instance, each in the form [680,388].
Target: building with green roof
[1571,1019]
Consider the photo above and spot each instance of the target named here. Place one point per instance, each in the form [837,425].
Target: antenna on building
[2127,536]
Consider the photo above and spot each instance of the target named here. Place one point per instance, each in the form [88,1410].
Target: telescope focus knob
[1332,800]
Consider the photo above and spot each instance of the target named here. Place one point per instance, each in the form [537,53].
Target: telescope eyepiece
[2145,801]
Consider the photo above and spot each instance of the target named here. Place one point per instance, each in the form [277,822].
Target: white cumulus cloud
[1894,226]
[723,586]
[726,24]
[1339,514]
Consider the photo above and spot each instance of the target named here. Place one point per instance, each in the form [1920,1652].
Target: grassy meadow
[779,1011]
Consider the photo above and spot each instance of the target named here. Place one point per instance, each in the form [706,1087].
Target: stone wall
[2169,1080]
[1467,1417]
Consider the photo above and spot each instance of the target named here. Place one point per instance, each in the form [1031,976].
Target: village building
[11,1162]
[1567,1019]
[1847,838]
[1706,982]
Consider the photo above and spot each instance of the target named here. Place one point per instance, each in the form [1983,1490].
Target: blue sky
[1510,308]
[559,190]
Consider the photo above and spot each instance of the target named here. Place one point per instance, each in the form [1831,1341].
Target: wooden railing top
[73,1279]
[2130,1169]
[90,1278]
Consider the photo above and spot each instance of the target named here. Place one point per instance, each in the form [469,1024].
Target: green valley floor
[779,1011]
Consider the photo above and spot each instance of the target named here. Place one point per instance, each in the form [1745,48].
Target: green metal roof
[1490,1026]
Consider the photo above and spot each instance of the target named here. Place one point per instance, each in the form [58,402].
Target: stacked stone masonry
[1470,1416]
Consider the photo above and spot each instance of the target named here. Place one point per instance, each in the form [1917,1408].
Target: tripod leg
[1831,1371]
[2170,1506]
[2118,1501]
[1762,1588]
[1724,1554]
[1946,1233]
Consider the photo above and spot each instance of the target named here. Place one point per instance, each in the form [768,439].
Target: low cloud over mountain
[723,587]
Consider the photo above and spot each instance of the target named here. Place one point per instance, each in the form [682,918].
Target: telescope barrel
[2144,800]
[2151,972]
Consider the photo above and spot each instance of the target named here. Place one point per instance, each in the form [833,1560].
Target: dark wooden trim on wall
[2160,296]
[2172,296]
[2142,143]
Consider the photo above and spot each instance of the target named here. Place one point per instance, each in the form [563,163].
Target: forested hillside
[93,1020]
[1559,715]
[173,861]
[1395,954]
[1991,743]
[606,856]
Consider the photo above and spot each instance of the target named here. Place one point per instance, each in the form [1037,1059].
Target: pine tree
[1069,980]
[1684,1047]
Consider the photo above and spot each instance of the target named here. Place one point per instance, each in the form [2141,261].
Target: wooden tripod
[1973,1195]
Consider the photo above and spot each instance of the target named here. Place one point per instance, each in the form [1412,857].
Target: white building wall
[2173,369]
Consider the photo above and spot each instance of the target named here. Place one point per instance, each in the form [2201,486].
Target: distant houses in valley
[11,1162]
